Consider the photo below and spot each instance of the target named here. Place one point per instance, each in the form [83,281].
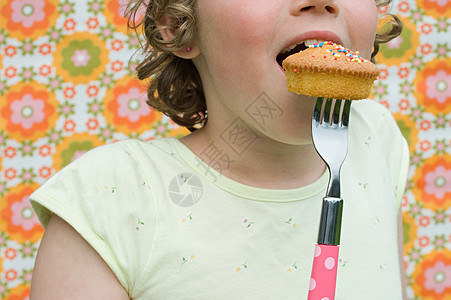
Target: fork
[330,137]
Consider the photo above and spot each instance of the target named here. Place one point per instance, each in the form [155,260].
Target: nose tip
[315,6]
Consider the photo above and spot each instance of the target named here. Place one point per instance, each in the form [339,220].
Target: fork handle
[324,269]
[324,273]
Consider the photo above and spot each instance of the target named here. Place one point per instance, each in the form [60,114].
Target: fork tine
[317,110]
[336,114]
[327,111]
[346,113]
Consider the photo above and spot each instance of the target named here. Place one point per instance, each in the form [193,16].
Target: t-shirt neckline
[242,190]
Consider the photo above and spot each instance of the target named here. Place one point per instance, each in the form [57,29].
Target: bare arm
[67,267]
[401,254]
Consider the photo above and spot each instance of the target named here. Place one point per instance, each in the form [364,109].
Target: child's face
[241,39]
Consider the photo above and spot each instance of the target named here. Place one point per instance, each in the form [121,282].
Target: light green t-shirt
[170,227]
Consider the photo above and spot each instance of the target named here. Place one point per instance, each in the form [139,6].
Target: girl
[232,210]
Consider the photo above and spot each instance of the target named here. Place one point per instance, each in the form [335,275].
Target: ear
[189,51]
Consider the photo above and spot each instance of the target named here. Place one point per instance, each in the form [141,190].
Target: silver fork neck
[333,188]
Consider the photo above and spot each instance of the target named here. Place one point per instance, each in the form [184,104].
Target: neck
[256,161]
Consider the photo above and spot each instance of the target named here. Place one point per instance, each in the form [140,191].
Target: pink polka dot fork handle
[324,271]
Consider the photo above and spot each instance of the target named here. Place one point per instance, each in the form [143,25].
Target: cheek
[233,43]
[237,22]
[363,28]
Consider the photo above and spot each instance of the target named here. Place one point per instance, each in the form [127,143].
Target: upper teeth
[306,43]
[311,42]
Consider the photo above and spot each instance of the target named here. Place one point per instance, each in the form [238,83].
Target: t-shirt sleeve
[105,197]
[401,164]
[395,148]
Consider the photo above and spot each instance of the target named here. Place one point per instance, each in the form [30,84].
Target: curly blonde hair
[175,87]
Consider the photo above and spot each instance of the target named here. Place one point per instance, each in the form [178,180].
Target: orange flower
[19,293]
[432,182]
[28,112]
[126,107]
[432,276]
[433,84]
[17,216]
[29,18]
[435,8]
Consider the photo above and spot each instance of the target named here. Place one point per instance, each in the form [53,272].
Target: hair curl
[175,87]
[389,27]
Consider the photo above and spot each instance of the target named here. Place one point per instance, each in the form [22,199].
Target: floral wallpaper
[66,86]
[415,84]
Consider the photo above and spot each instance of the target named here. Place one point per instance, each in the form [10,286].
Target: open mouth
[295,49]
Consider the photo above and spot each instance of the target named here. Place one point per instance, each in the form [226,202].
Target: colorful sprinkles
[339,50]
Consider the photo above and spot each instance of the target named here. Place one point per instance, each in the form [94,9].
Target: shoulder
[117,169]
[121,155]
[89,182]
[109,152]
[372,115]
[375,136]
[372,121]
